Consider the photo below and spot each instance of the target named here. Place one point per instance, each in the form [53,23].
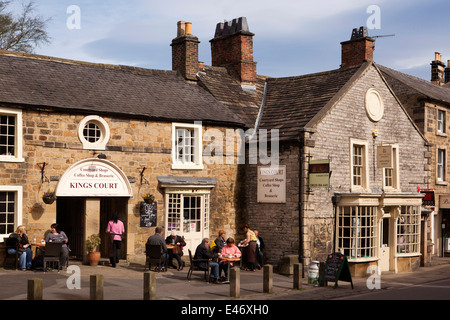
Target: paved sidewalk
[126,283]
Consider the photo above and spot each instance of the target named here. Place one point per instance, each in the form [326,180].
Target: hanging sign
[384,156]
[319,173]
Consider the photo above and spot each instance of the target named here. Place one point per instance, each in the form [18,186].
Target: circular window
[93,133]
[374,105]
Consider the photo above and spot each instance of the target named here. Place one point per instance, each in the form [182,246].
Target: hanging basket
[48,197]
[149,198]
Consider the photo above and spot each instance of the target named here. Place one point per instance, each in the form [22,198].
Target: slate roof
[404,84]
[31,80]
[228,91]
[292,102]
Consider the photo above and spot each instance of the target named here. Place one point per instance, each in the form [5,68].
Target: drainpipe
[300,200]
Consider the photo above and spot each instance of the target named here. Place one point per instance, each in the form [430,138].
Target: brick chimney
[437,70]
[447,72]
[358,49]
[185,51]
[232,48]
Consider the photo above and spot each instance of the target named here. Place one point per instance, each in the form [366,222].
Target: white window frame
[394,170]
[364,186]
[357,232]
[104,129]
[18,143]
[441,118]
[441,165]
[197,164]
[18,190]
[175,209]
[408,230]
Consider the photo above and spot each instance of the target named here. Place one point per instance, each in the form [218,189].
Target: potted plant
[92,244]
[48,197]
[149,198]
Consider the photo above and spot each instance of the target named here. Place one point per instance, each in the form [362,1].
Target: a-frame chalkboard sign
[336,268]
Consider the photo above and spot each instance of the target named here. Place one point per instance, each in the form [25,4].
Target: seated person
[202,252]
[25,253]
[177,251]
[229,250]
[59,236]
[158,239]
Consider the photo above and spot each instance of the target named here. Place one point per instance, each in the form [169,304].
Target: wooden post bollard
[149,285]
[321,268]
[298,276]
[96,282]
[235,282]
[267,278]
[35,288]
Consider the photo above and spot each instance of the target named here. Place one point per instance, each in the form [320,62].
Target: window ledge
[11,159]
[442,183]
[192,166]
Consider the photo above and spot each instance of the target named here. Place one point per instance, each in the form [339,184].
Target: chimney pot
[181,28]
[188,28]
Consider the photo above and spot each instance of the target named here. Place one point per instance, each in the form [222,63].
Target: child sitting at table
[228,251]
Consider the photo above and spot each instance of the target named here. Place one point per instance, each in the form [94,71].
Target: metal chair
[193,267]
[52,254]
[153,255]
[11,243]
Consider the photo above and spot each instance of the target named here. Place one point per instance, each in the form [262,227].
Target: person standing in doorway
[115,228]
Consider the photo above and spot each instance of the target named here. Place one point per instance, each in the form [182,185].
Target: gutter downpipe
[300,201]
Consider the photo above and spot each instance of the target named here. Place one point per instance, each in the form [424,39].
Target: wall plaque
[272,184]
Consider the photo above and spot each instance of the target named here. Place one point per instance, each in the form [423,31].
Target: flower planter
[93,258]
[48,200]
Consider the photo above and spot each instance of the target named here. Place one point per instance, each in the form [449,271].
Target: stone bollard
[298,276]
[149,285]
[235,282]
[267,278]
[35,288]
[96,282]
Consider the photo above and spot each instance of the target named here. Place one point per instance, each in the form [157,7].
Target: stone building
[101,136]
[317,163]
[428,104]
[347,122]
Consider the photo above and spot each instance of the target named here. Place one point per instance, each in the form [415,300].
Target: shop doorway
[70,213]
[107,207]
[385,244]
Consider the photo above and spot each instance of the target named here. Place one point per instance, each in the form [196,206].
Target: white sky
[291,37]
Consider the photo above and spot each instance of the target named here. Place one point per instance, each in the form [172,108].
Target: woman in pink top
[115,229]
[230,250]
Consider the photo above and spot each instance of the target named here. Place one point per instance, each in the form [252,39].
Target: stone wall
[52,138]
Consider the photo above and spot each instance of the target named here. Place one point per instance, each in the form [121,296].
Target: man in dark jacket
[202,252]
[158,239]
[177,251]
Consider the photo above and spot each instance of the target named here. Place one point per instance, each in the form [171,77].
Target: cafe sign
[319,173]
[272,184]
[94,178]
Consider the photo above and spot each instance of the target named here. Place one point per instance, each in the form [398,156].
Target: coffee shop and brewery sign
[94,178]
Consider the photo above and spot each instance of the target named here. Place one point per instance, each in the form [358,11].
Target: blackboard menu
[148,214]
[336,268]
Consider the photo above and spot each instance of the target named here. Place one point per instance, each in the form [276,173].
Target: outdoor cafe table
[38,247]
[234,259]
